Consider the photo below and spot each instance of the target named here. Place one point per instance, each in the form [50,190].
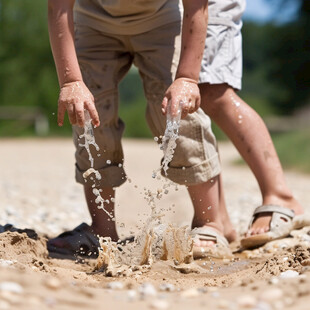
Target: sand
[38,193]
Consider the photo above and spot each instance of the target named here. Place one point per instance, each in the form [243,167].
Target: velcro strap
[274,208]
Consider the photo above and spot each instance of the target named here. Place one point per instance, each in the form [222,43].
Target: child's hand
[182,91]
[74,98]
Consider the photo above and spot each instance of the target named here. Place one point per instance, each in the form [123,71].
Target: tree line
[276,65]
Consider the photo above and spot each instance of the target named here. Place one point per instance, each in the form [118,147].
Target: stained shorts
[104,60]
[222,58]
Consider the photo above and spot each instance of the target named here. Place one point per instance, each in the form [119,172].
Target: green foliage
[294,149]
[276,69]
[27,72]
[132,106]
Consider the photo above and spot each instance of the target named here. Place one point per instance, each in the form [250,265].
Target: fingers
[185,109]
[79,115]
[174,107]
[164,105]
[71,113]
[61,114]
[197,103]
[90,107]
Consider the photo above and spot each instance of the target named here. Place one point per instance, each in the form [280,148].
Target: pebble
[115,285]
[6,263]
[289,274]
[132,295]
[159,304]
[147,290]
[167,287]
[11,287]
[274,280]
[190,293]
[246,301]
[53,283]
[272,295]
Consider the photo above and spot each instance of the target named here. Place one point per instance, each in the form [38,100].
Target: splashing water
[168,144]
[89,138]
[155,240]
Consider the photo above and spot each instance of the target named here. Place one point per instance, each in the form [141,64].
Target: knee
[214,99]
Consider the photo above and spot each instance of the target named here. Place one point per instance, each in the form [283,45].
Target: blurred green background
[275,83]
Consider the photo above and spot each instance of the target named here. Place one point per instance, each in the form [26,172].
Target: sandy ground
[38,191]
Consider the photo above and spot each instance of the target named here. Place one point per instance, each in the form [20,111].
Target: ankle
[284,200]
[215,225]
[105,230]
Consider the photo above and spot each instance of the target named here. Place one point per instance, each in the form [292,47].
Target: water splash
[89,138]
[156,241]
[168,144]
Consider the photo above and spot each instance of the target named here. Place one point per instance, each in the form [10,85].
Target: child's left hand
[184,92]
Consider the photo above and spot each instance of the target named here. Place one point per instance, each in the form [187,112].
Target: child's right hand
[74,98]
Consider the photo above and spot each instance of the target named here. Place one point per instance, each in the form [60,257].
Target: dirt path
[38,191]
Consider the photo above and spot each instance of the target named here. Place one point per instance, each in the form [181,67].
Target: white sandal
[219,250]
[281,224]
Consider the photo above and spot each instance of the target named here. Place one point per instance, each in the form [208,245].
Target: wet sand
[38,192]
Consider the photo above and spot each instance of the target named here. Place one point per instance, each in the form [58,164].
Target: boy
[109,37]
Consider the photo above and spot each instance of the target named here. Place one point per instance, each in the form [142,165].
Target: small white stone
[53,283]
[289,274]
[115,285]
[190,293]
[272,295]
[132,295]
[147,290]
[12,287]
[159,304]
[246,301]
[274,280]
[6,263]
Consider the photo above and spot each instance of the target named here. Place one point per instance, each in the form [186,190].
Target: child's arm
[184,89]
[74,95]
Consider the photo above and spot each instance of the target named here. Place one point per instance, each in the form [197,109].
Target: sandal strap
[274,208]
[209,234]
[278,214]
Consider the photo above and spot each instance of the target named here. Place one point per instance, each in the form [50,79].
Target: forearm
[195,21]
[61,32]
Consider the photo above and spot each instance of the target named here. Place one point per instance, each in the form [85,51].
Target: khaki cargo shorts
[104,60]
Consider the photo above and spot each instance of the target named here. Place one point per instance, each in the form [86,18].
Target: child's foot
[261,223]
[227,231]
[210,242]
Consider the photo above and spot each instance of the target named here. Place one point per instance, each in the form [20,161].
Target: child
[95,43]
[219,79]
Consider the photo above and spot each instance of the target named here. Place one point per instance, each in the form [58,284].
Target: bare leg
[102,224]
[247,131]
[210,209]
